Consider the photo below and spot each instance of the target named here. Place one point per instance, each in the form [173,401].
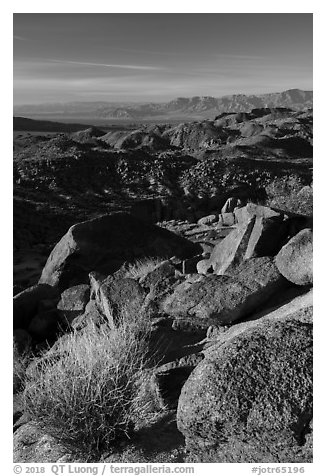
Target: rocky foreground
[227,304]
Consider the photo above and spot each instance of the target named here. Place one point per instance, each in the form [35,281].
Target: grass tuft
[88,396]
[141,267]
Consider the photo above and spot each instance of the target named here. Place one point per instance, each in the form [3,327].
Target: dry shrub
[88,395]
[141,267]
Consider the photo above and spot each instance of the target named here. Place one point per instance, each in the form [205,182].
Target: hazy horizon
[158,57]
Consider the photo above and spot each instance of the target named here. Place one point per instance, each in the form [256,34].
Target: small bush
[88,395]
[140,268]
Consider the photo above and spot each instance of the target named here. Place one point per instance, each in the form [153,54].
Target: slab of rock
[252,389]
[73,302]
[117,296]
[244,214]
[220,300]
[230,250]
[104,244]
[295,259]
[267,237]
[26,303]
[255,236]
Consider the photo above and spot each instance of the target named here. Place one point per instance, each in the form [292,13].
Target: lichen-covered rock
[254,387]
[295,259]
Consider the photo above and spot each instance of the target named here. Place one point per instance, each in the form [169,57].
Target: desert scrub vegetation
[140,268]
[85,392]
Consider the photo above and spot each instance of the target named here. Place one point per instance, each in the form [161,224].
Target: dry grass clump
[88,395]
[141,267]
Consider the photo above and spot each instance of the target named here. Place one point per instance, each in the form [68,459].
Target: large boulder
[295,259]
[220,300]
[27,302]
[104,243]
[252,391]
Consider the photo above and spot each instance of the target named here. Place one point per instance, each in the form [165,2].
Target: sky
[158,57]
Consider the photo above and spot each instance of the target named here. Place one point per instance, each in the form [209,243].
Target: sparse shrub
[141,267]
[85,392]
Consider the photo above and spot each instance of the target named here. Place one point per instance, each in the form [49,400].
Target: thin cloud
[121,66]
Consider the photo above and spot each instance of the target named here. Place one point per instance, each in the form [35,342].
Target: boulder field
[227,325]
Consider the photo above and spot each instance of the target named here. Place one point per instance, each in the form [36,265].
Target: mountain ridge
[196,107]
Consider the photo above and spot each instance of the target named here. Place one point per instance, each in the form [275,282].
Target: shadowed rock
[26,303]
[104,243]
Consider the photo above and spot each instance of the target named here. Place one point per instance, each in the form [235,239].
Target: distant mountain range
[197,107]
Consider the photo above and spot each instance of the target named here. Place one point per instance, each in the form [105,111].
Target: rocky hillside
[183,172]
